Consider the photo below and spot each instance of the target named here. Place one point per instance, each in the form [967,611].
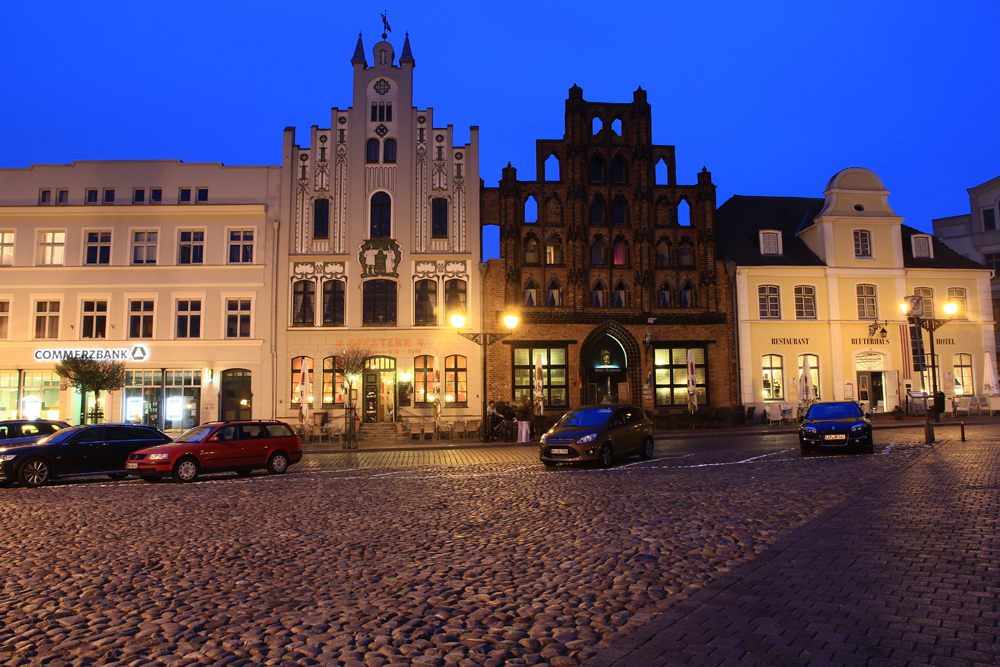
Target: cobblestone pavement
[487,563]
[904,573]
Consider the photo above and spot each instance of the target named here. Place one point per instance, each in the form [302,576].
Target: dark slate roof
[944,257]
[740,218]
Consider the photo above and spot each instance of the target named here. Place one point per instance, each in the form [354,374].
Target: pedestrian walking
[491,420]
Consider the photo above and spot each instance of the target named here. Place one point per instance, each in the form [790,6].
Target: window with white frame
[927,296]
[189,318]
[95,319]
[140,318]
[772,377]
[47,319]
[921,246]
[768,302]
[191,249]
[144,247]
[52,248]
[98,250]
[241,246]
[770,243]
[866,302]
[862,243]
[805,302]
[4,319]
[958,296]
[6,248]
[962,365]
[810,363]
[238,318]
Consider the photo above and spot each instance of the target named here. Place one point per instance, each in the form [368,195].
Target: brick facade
[617,232]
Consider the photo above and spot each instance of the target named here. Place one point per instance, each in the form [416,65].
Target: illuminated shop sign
[134,353]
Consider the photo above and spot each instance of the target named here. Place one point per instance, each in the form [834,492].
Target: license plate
[836,436]
[131,465]
[558,450]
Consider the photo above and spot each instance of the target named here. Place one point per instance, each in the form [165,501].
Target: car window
[6,432]
[120,433]
[92,434]
[631,415]
[29,429]
[196,434]
[60,436]
[618,419]
[588,417]
[279,431]
[833,411]
[252,431]
[226,433]
[145,434]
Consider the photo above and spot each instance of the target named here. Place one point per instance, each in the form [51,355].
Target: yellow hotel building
[819,283]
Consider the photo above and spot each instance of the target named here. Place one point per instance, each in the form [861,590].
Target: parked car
[598,433]
[27,431]
[836,426]
[95,449]
[232,446]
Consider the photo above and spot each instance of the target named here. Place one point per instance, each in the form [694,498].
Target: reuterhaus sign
[134,353]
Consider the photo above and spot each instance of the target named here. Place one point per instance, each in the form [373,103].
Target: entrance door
[378,389]
[891,389]
[237,398]
[369,390]
[607,366]
[877,394]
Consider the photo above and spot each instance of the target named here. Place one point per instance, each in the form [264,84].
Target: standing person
[523,422]
[491,420]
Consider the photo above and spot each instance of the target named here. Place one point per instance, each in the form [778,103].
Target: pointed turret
[407,54]
[359,52]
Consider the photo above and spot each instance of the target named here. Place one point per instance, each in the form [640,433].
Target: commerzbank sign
[134,353]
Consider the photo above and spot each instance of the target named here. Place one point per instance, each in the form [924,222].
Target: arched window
[597,295]
[618,170]
[663,296]
[333,381]
[618,213]
[378,303]
[685,254]
[389,150]
[683,213]
[616,126]
[530,209]
[531,294]
[531,255]
[596,170]
[662,255]
[372,151]
[553,251]
[772,377]
[687,296]
[597,253]
[439,218]
[621,253]
[425,303]
[554,293]
[296,375]
[321,219]
[303,303]
[660,171]
[810,363]
[381,215]
[454,298]
[596,125]
[621,295]
[456,380]
[423,380]
[333,303]
[374,111]
[552,168]
[596,214]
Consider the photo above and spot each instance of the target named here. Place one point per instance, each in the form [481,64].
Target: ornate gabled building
[612,268]
[379,247]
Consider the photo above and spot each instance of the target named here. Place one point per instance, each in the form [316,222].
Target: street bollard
[962,424]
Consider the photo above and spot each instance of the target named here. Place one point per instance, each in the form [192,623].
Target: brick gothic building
[608,280]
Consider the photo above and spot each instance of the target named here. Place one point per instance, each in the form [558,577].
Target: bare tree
[92,375]
[354,365]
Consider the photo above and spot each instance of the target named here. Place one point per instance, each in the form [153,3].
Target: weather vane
[385,25]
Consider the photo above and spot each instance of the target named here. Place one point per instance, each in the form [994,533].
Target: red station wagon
[235,446]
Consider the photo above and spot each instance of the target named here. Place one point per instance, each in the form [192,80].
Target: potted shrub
[898,413]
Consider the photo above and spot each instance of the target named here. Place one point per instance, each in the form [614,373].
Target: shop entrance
[378,389]
[878,387]
[607,371]
[237,397]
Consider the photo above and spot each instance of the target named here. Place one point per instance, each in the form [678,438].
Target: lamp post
[913,308]
[484,340]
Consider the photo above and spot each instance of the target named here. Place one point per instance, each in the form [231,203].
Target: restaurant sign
[134,353]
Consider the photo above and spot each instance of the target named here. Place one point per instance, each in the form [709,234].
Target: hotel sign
[134,353]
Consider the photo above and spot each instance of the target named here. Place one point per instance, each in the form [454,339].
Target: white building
[162,264]
[379,246]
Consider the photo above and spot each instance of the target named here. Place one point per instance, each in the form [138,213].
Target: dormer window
[922,247]
[770,242]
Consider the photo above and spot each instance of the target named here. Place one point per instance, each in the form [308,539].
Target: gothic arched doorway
[610,365]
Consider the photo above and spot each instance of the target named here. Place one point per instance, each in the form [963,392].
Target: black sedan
[97,449]
[836,427]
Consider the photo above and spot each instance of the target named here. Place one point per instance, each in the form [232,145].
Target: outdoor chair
[750,416]
[334,431]
[723,417]
[402,431]
[773,414]
[964,404]
[445,430]
[317,433]
[984,404]
[417,430]
[459,429]
[879,408]
[949,407]
[471,428]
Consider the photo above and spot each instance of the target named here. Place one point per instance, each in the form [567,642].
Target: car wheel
[607,457]
[34,472]
[117,475]
[186,470]
[647,450]
[152,479]
[277,464]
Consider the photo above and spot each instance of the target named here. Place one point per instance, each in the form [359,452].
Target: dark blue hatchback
[836,427]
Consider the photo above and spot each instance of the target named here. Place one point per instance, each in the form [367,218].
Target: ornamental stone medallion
[379,257]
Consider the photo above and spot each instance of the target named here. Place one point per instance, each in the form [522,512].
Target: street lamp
[913,309]
[484,340]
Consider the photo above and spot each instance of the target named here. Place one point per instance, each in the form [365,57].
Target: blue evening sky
[773,97]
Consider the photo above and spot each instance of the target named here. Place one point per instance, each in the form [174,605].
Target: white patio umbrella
[304,391]
[692,390]
[992,388]
[805,387]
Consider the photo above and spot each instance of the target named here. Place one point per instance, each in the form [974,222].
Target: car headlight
[586,438]
[544,438]
[158,457]
[7,457]
[857,428]
[809,429]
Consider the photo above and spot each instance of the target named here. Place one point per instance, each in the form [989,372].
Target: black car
[836,427]
[97,449]
[26,431]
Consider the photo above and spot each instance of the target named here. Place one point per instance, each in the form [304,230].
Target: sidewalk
[902,573]
[950,426]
